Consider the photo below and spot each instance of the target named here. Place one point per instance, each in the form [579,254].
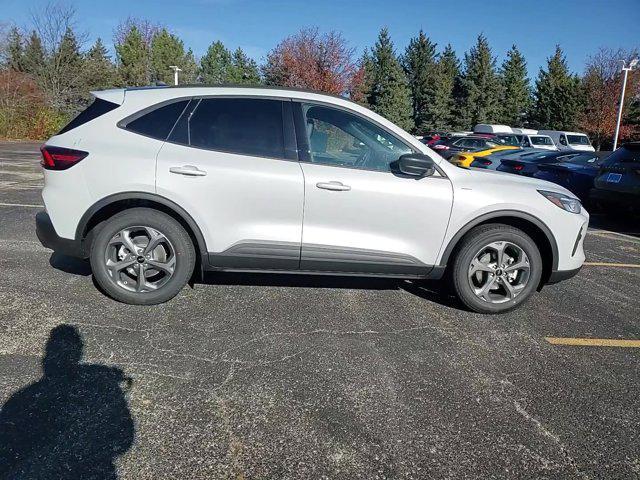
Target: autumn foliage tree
[602,84]
[308,59]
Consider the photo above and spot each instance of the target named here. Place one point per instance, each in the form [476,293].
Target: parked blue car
[576,174]
[527,164]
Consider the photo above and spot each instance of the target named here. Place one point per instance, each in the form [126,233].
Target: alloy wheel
[499,272]
[140,259]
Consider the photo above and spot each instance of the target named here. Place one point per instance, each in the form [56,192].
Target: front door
[359,216]
[231,164]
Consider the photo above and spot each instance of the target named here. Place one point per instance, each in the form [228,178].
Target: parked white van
[569,140]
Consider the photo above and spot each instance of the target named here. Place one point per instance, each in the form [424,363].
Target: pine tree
[244,70]
[389,95]
[516,91]
[166,50]
[189,67]
[133,59]
[558,95]
[480,85]
[33,58]
[98,71]
[216,64]
[15,50]
[419,65]
[445,92]
[62,79]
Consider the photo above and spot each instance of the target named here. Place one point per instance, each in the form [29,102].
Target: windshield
[578,140]
[541,140]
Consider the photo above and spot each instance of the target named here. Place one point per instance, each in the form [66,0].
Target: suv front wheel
[142,257]
[497,268]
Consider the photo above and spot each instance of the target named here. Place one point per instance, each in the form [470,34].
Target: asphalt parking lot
[255,376]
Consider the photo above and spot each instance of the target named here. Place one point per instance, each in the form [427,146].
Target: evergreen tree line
[422,88]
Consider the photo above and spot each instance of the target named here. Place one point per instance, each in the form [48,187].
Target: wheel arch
[116,203]
[530,224]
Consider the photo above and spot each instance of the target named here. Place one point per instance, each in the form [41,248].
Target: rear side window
[245,126]
[158,122]
[97,108]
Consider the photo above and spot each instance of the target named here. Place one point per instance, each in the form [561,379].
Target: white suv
[154,184]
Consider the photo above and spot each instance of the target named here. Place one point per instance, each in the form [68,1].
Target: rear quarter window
[98,108]
[158,122]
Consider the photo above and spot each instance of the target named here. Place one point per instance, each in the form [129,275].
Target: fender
[496,214]
[152,197]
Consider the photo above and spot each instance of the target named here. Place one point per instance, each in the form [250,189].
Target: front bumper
[561,275]
[50,239]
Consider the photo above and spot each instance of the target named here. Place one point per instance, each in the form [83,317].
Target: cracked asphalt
[260,376]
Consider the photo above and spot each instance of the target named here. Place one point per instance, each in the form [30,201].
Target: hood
[500,179]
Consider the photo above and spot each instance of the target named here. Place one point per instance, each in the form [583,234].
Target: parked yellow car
[464,159]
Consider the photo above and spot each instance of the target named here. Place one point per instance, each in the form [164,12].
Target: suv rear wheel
[497,268]
[142,257]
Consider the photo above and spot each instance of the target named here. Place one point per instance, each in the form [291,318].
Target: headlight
[565,202]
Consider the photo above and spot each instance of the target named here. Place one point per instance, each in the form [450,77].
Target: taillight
[486,162]
[58,158]
[517,168]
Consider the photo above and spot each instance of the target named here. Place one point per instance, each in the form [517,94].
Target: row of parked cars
[603,180]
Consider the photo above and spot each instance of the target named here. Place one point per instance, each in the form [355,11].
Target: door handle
[334,186]
[188,170]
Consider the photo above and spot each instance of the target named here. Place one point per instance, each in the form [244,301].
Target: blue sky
[580,27]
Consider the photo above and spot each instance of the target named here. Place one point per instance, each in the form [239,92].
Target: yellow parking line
[606,264]
[593,342]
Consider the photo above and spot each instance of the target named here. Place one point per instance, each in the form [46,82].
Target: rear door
[232,164]
[359,216]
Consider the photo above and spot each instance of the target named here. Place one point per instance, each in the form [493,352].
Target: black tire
[471,244]
[144,217]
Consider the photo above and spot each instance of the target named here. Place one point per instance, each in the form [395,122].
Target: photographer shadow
[70,424]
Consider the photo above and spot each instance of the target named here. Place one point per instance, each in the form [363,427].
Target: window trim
[290,151]
[304,153]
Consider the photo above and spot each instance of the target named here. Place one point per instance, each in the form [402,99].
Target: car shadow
[67,264]
[72,423]
[431,290]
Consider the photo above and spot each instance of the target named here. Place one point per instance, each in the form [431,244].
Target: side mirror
[416,165]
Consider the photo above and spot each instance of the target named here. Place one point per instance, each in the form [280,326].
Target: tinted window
[239,125]
[97,108]
[340,138]
[158,122]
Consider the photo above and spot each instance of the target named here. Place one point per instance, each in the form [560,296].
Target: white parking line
[27,205]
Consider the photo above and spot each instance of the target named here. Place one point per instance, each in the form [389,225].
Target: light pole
[177,69]
[626,71]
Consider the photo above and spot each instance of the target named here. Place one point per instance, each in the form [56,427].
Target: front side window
[245,126]
[339,138]
[158,122]
[563,140]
